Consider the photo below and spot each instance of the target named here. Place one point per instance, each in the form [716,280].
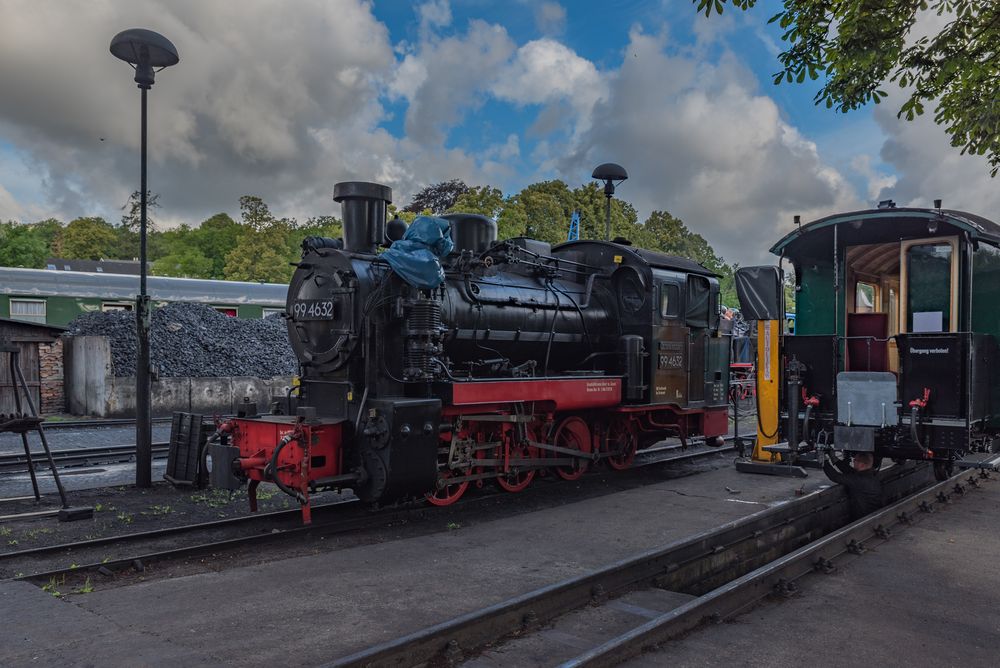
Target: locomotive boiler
[440,357]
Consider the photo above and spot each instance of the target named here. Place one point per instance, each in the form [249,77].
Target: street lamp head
[610,173]
[144,50]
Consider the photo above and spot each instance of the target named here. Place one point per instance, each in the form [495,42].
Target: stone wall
[51,390]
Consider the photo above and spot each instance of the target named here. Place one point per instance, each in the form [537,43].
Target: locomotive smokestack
[363,207]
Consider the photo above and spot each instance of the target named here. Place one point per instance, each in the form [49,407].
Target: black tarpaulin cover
[759,290]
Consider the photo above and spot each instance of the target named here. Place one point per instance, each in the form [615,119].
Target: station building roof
[48,283]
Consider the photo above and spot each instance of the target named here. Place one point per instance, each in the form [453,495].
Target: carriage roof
[977,227]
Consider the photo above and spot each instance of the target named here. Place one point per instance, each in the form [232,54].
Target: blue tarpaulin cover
[417,256]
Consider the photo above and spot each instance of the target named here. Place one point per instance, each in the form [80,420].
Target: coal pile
[194,340]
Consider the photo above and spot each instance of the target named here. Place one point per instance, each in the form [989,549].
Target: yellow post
[768,377]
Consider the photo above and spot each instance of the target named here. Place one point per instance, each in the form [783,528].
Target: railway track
[617,612]
[117,554]
[94,424]
[16,462]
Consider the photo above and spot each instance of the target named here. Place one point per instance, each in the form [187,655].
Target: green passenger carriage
[895,345]
[55,297]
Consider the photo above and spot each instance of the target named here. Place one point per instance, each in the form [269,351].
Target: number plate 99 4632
[313,309]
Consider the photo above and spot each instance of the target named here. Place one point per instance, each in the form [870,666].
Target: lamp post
[609,172]
[144,50]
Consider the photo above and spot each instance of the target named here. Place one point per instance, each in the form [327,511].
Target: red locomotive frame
[507,430]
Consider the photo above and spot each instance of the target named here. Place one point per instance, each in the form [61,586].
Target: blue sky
[284,99]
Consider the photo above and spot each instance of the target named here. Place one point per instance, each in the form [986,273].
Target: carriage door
[697,316]
[929,285]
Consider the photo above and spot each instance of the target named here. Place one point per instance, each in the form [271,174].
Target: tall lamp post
[147,52]
[609,172]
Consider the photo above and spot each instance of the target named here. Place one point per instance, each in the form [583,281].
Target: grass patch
[52,586]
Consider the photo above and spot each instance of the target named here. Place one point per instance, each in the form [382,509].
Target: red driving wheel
[515,477]
[448,494]
[445,494]
[623,441]
[574,434]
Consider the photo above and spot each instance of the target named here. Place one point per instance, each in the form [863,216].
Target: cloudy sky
[283,99]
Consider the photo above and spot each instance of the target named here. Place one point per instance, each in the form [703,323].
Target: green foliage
[261,247]
[215,237]
[52,586]
[21,246]
[86,588]
[671,236]
[184,263]
[261,252]
[484,200]
[87,239]
[860,45]
[317,226]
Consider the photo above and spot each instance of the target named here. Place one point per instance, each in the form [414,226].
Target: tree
[484,200]
[861,45]
[261,256]
[315,226]
[670,235]
[48,231]
[540,211]
[87,239]
[589,200]
[184,263]
[20,246]
[438,197]
[215,238]
[261,252]
[132,218]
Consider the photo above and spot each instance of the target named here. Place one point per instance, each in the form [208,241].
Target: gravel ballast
[194,340]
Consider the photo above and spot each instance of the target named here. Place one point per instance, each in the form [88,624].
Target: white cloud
[449,76]
[265,100]
[550,18]
[877,181]
[434,14]
[699,140]
[544,71]
[930,168]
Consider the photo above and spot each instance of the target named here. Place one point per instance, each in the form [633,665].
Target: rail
[16,462]
[719,572]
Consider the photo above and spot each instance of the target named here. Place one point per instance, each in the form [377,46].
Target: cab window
[698,301]
[670,300]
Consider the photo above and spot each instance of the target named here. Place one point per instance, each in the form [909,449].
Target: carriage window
[670,300]
[865,297]
[698,302]
[116,306]
[32,310]
[928,296]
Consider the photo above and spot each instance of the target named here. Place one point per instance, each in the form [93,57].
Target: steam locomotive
[520,358]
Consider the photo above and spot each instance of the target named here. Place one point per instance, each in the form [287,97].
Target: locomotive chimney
[363,207]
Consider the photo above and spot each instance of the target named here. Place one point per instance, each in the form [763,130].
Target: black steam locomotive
[425,369]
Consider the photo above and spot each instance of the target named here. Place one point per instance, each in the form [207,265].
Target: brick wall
[50,359]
